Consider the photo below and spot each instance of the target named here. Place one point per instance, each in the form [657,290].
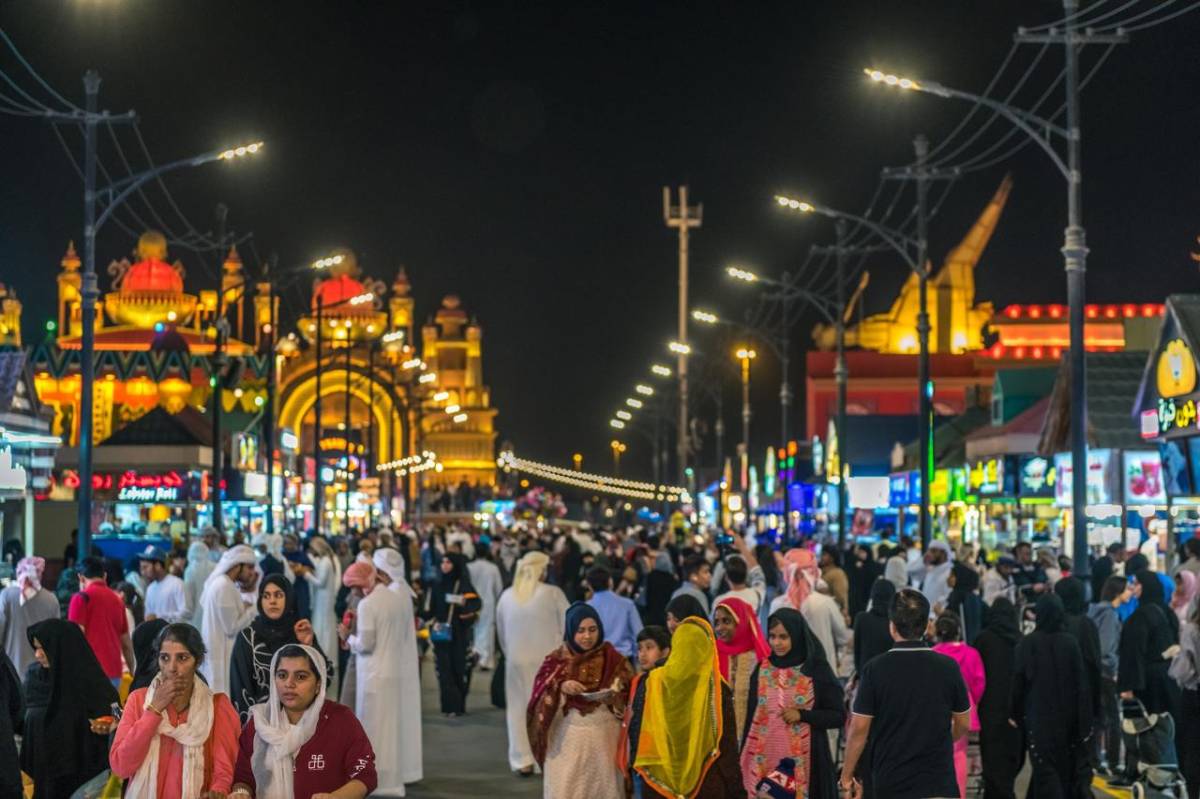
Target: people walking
[529,622]
[324,580]
[100,612]
[913,723]
[200,564]
[794,698]
[618,614]
[450,609]
[872,630]
[22,604]
[1001,744]
[488,584]
[177,738]
[948,632]
[1051,703]
[225,613]
[1106,738]
[407,698]
[165,597]
[574,713]
[741,646]
[68,713]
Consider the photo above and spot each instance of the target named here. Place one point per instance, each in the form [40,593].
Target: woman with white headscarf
[529,621]
[224,611]
[298,743]
[199,566]
[23,604]
[406,702]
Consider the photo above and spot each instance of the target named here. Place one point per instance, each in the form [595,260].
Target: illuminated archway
[299,396]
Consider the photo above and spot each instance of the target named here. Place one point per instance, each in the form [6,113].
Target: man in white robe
[939,562]
[200,566]
[225,613]
[378,645]
[406,703]
[488,582]
[529,619]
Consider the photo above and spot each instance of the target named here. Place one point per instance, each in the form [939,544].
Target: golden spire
[70,261]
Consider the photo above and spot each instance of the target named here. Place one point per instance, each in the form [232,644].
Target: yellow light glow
[660,370]
[679,348]
[891,80]
[441,396]
[644,390]
[624,416]
[452,409]
[741,274]
[795,205]
[705,317]
[746,355]
[634,403]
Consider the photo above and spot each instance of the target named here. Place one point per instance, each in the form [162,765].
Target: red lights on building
[1127,311]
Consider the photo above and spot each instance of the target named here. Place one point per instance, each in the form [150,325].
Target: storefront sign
[1177,478]
[245,452]
[867,492]
[1175,374]
[12,475]
[988,477]
[288,440]
[1143,478]
[898,490]
[135,487]
[1037,477]
[254,484]
[1101,485]
[1175,415]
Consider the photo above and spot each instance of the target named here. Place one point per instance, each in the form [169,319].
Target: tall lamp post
[1074,248]
[914,253]
[113,195]
[745,355]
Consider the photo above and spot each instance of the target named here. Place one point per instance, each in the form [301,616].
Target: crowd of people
[629,662]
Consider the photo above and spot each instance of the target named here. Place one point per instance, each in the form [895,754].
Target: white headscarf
[200,565]
[29,577]
[391,563]
[530,570]
[277,740]
[234,556]
[191,735]
[270,543]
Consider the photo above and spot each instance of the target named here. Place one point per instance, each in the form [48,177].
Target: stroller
[1150,738]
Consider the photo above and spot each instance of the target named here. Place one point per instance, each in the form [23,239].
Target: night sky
[514,154]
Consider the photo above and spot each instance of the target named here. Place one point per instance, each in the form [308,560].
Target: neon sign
[133,486]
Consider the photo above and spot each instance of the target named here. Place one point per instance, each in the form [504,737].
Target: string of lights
[600,484]
[413,464]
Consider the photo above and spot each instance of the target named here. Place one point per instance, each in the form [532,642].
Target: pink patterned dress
[771,739]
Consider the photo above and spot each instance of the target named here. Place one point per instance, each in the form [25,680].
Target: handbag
[443,631]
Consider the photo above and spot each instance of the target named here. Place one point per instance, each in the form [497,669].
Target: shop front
[992,515]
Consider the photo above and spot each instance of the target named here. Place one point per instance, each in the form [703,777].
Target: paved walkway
[467,756]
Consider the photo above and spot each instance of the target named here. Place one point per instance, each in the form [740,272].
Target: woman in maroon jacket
[300,744]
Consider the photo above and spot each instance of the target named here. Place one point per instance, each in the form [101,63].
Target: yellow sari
[681,715]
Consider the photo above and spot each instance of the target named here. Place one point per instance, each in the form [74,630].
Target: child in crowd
[653,646]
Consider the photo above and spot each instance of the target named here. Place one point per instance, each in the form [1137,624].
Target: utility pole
[785,396]
[683,217]
[87,316]
[318,487]
[840,375]
[1075,252]
[925,412]
[218,378]
[346,442]
[269,435]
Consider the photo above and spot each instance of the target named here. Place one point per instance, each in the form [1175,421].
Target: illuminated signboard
[288,440]
[898,490]
[939,487]
[12,475]
[1175,415]
[254,484]
[1175,373]
[134,487]
[867,492]
[1037,477]
[1143,478]
[1177,479]
[245,452]
[1101,485]
[989,478]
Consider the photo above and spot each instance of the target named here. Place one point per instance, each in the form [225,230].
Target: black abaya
[872,630]
[451,657]
[59,750]
[12,712]
[1002,746]
[1050,702]
[1146,634]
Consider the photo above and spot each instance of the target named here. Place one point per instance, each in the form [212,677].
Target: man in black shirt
[1029,577]
[914,704]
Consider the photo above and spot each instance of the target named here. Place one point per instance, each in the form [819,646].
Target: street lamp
[636,404]
[914,253]
[679,348]
[1074,248]
[705,317]
[746,355]
[741,274]
[658,370]
[616,424]
[617,449]
[624,416]
[115,193]
[644,390]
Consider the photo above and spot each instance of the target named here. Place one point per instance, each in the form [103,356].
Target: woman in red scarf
[574,714]
[740,648]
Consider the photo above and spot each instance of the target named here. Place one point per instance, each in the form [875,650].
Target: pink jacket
[139,726]
[971,666]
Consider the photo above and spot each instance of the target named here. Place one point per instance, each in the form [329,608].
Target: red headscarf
[360,574]
[747,636]
[801,573]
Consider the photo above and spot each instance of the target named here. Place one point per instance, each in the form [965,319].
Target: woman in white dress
[529,623]
[325,578]
[574,716]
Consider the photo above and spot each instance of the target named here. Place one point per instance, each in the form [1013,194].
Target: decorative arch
[299,395]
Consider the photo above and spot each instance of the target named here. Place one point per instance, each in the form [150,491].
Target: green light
[51,326]
[212,382]
[260,401]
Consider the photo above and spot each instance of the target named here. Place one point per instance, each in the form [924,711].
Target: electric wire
[70,107]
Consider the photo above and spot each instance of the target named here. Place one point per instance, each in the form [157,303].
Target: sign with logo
[245,452]
[1175,373]
[1175,415]
[1100,480]
[1177,478]
[135,487]
[1037,477]
[12,475]
[989,477]
[1143,478]
[898,490]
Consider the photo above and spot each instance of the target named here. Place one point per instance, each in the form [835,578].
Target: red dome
[152,275]
[338,291]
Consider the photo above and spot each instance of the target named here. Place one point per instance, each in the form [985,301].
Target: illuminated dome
[151,290]
[343,321]
[338,291]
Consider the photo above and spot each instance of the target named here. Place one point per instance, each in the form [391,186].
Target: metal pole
[682,361]
[218,379]
[269,414]
[785,401]
[1075,260]
[346,447]
[925,413]
[318,488]
[87,317]
[840,375]
[370,442]
[745,459]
